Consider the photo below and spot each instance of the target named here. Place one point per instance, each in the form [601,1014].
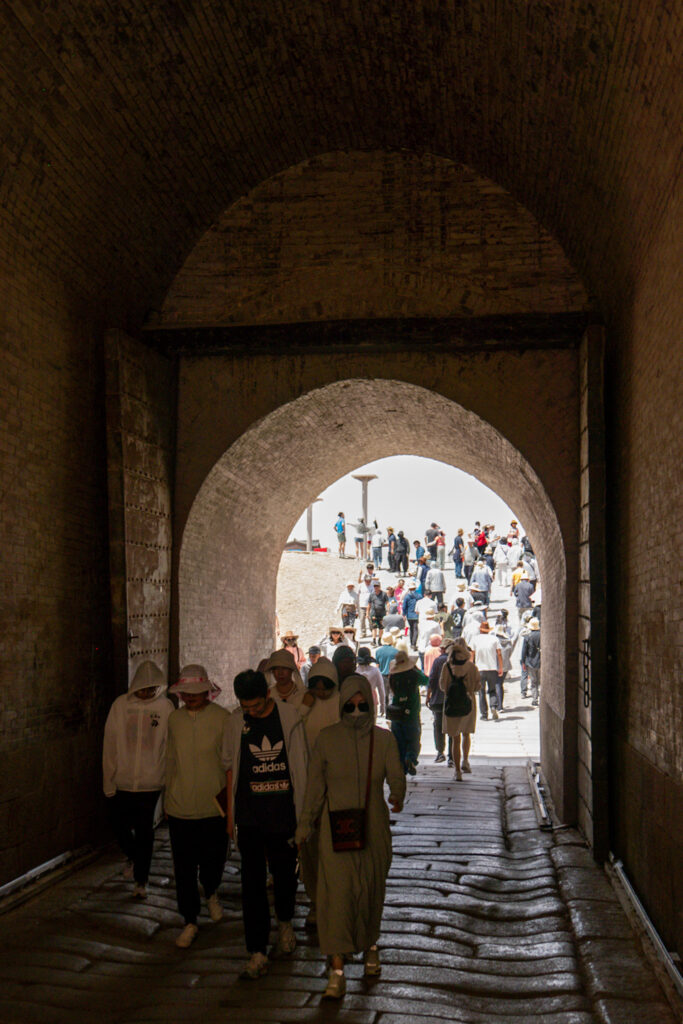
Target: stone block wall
[644,374]
[55,672]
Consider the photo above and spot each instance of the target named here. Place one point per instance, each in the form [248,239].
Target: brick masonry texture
[371,234]
[128,130]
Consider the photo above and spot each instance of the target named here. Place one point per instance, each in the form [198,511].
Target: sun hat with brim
[484,627]
[534,624]
[335,629]
[193,679]
[412,585]
[349,629]
[289,635]
[403,662]
[387,639]
[280,659]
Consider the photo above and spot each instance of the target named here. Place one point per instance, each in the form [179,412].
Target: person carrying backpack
[460,681]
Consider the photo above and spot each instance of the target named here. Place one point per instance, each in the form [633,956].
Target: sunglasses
[350,707]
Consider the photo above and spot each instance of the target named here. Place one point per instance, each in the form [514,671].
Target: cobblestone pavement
[487,919]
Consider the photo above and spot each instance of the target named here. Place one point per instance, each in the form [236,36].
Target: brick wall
[645,370]
[240,490]
[367,235]
[54,642]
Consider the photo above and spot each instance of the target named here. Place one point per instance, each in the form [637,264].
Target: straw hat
[534,624]
[289,635]
[387,639]
[403,662]
[280,659]
[484,627]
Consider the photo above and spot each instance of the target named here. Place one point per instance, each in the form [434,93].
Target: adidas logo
[265,752]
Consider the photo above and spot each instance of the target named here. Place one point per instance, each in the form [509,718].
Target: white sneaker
[286,940]
[255,967]
[466,767]
[215,908]
[187,936]
[336,985]
[372,961]
[140,892]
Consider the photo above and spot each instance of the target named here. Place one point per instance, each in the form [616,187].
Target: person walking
[290,643]
[348,604]
[367,666]
[470,556]
[196,761]
[284,678]
[365,589]
[319,708]
[458,551]
[523,591]
[314,655]
[376,542]
[403,712]
[505,644]
[384,655]
[480,583]
[489,660]
[435,583]
[458,673]
[377,607]
[410,600]
[266,763]
[340,530]
[402,553]
[531,658]
[134,765]
[440,550]
[434,701]
[349,766]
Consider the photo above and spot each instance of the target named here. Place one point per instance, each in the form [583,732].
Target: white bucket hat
[193,679]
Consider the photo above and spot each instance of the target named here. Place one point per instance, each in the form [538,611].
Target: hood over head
[147,674]
[459,650]
[355,684]
[323,667]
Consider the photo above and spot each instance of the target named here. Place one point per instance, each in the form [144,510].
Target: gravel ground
[308,588]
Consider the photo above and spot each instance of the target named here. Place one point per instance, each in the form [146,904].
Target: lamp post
[309,526]
[365,480]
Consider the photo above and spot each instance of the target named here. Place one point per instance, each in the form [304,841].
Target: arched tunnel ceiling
[368,235]
[127,128]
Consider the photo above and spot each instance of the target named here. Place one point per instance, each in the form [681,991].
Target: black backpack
[458,701]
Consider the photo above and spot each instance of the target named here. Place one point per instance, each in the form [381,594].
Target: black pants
[402,563]
[132,819]
[413,627]
[198,844]
[255,846]
[439,735]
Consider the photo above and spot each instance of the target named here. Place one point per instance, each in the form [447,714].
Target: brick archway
[255,492]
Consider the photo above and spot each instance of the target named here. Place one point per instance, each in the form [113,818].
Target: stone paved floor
[487,919]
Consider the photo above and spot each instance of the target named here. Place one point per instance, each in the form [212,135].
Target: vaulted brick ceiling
[128,127]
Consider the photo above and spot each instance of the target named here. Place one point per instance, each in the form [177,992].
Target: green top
[405,691]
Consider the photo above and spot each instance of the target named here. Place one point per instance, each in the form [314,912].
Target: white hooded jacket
[134,748]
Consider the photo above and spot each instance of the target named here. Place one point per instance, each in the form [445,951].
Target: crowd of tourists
[294,774]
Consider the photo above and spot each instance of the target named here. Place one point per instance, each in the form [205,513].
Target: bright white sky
[410,492]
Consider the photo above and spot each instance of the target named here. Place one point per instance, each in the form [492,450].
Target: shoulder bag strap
[367,785]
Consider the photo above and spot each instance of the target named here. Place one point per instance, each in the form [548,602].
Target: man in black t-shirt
[377,607]
[268,759]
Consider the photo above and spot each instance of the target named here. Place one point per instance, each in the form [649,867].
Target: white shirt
[377,539]
[424,605]
[134,749]
[348,597]
[485,646]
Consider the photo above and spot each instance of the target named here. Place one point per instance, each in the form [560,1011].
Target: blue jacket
[409,601]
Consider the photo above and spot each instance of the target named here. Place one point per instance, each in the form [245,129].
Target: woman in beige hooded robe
[351,884]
